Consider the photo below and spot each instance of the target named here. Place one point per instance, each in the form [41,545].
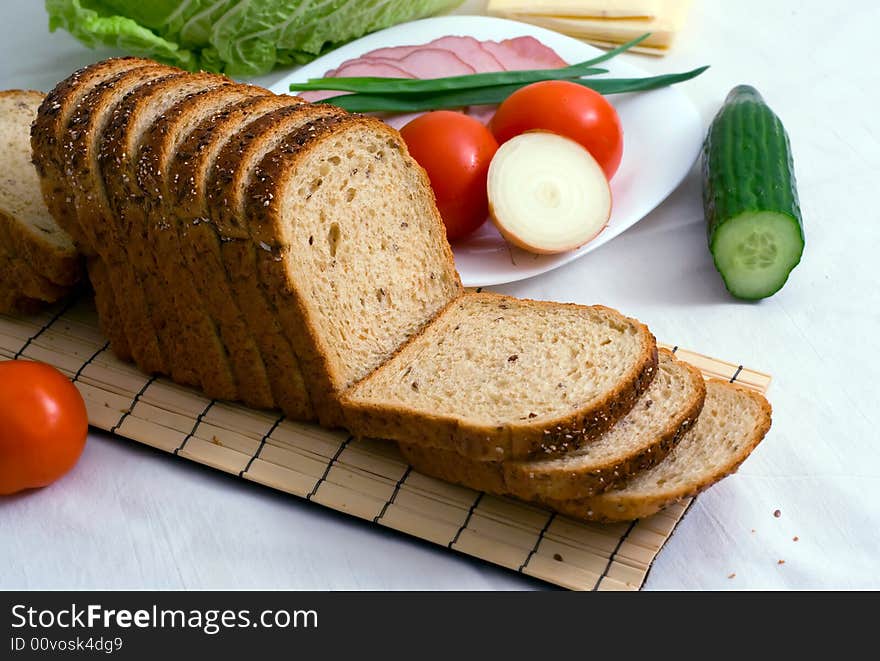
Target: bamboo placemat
[364,478]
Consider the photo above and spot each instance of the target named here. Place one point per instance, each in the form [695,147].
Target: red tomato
[566,108]
[455,151]
[43,425]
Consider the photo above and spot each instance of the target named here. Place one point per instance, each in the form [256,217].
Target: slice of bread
[638,441]
[18,279]
[48,135]
[28,232]
[496,378]
[199,243]
[12,301]
[227,186]
[109,320]
[353,251]
[125,237]
[81,147]
[733,421]
[200,345]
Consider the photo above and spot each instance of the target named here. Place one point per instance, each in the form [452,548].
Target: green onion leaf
[458,98]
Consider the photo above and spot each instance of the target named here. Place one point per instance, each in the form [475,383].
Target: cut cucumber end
[755,252]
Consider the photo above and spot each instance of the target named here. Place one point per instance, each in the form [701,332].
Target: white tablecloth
[128,517]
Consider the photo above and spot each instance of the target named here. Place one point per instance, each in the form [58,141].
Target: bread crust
[200,244]
[518,440]
[126,239]
[47,136]
[619,506]
[200,344]
[530,480]
[227,189]
[81,146]
[51,144]
[264,213]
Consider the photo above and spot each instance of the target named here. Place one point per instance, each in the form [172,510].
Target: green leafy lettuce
[238,37]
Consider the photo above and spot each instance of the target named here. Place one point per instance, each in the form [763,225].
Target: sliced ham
[446,56]
[371,68]
[421,63]
[524,53]
[468,49]
[471,51]
[353,69]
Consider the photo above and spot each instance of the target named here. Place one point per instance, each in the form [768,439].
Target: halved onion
[547,194]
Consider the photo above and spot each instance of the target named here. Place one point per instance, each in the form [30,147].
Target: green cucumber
[755,229]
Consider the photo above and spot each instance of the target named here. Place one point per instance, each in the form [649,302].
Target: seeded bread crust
[47,135]
[530,480]
[620,505]
[200,346]
[124,237]
[515,440]
[227,186]
[200,245]
[265,214]
[81,144]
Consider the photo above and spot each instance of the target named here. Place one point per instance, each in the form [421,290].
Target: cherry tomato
[566,108]
[455,151]
[43,425]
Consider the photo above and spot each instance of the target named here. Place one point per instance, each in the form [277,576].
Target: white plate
[662,137]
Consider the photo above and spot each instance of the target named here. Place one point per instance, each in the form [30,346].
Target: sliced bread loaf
[733,421]
[27,230]
[638,441]
[109,319]
[496,378]
[200,344]
[227,186]
[48,135]
[188,173]
[353,253]
[81,146]
[124,237]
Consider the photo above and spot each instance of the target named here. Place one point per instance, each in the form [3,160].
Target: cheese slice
[603,31]
[640,49]
[577,8]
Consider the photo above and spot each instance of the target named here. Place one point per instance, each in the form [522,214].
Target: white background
[128,517]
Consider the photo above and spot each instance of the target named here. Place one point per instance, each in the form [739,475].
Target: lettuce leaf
[238,37]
